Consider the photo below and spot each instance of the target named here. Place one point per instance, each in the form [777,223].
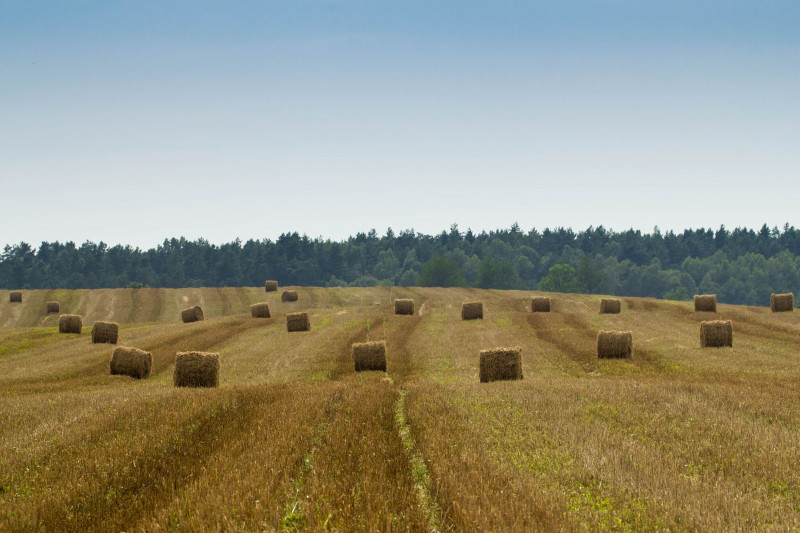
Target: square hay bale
[70,324]
[705,303]
[297,322]
[260,310]
[370,356]
[289,296]
[105,332]
[540,304]
[404,306]
[471,310]
[192,314]
[779,303]
[270,285]
[716,333]
[196,369]
[614,344]
[15,296]
[133,362]
[610,306]
[53,307]
[500,364]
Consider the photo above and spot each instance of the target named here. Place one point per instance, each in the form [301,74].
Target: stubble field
[678,438]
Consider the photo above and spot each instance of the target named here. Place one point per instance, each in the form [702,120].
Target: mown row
[676,437]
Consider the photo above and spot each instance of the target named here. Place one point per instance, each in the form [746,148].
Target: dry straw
[289,296]
[780,303]
[610,306]
[192,314]
[70,324]
[15,296]
[705,302]
[404,306]
[53,307]
[716,333]
[196,369]
[131,362]
[500,364]
[105,332]
[370,356]
[270,285]
[471,310]
[297,322]
[260,310]
[540,304]
[614,344]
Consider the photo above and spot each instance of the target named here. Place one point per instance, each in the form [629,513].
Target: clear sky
[133,121]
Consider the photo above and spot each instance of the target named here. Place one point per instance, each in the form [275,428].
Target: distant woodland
[741,266]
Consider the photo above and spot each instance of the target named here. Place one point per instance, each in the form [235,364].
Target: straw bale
[780,303]
[196,369]
[289,296]
[297,322]
[270,285]
[370,356]
[404,306]
[260,310]
[131,362]
[500,364]
[610,305]
[70,324]
[540,304]
[471,310]
[15,296]
[705,302]
[105,332]
[192,314]
[53,307]
[716,333]
[614,344]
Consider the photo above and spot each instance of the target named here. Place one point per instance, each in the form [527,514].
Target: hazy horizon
[132,123]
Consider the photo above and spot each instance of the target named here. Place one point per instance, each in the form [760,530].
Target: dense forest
[741,266]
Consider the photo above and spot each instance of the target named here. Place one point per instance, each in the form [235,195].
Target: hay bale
[716,333]
[540,304]
[500,364]
[53,307]
[610,306]
[297,322]
[133,362]
[614,344]
[404,306]
[471,310]
[270,285]
[260,310]
[15,296]
[70,324]
[370,356]
[289,296]
[105,332]
[192,314]
[196,369]
[780,303]
[705,303]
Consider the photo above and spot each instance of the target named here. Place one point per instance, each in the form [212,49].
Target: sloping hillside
[675,438]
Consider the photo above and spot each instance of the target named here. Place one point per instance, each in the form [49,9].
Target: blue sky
[134,121]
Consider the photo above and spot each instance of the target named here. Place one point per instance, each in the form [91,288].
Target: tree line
[741,266]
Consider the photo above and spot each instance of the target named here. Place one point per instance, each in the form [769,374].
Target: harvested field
[292,439]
